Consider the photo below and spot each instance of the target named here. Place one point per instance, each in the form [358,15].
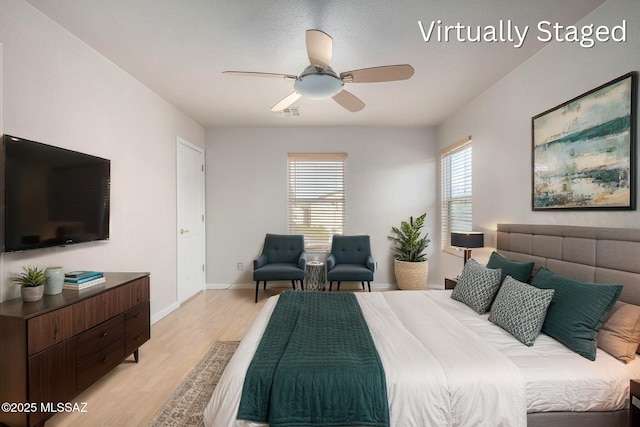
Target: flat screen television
[52,196]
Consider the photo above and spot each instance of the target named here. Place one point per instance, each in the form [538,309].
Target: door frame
[181,141]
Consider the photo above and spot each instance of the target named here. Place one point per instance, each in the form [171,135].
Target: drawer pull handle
[104,359]
[104,334]
[138,315]
[137,338]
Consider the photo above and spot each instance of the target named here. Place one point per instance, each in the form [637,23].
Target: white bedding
[445,365]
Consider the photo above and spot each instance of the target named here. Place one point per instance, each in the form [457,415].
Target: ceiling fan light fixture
[318,86]
[319,81]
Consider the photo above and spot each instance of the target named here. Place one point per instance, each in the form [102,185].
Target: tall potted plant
[410,263]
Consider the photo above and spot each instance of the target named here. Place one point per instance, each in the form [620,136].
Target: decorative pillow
[520,309]
[477,286]
[577,310]
[620,334]
[521,271]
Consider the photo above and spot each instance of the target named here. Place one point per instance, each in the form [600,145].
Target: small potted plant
[31,281]
[410,262]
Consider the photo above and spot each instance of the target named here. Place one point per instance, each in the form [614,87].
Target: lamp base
[467,255]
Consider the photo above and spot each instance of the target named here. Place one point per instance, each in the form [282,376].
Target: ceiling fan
[319,81]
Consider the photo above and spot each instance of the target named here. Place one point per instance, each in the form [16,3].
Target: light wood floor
[131,394]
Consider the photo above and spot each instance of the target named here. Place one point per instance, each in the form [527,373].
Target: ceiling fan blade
[349,101]
[319,47]
[388,73]
[253,74]
[286,101]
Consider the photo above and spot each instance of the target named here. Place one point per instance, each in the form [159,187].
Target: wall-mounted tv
[52,196]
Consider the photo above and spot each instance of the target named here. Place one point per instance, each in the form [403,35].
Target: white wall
[59,91]
[390,175]
[500,123]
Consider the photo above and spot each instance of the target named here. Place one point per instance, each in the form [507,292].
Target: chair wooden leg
[338,285]
[302,284]
[293,284]
[257,286]
[330,285]
[369,285]
[264,285]
[362,283]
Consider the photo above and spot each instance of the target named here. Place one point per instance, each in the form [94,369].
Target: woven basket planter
[411,275]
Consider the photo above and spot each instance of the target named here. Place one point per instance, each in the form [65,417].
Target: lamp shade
[468,239]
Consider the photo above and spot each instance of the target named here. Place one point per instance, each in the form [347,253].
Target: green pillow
[521,271]
[577,310]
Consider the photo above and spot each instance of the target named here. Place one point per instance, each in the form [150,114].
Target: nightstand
[634,403]
[450,283]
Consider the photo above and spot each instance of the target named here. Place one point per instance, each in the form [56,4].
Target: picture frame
[584,150]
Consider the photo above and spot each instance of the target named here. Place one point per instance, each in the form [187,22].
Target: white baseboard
[251,286]
[218,286]
[173,307]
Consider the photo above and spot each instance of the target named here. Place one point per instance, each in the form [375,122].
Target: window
[316,197]
[455,196]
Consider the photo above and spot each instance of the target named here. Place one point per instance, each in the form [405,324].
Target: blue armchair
[350,261]
[283,258]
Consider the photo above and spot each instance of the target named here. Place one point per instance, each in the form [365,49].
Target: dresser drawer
[49,329]
[136,327]
[98,338]
[99,364]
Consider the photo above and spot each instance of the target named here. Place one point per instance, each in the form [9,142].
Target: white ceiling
[179,48]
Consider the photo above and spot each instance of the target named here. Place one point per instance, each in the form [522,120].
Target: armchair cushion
[279,271]
[350,273]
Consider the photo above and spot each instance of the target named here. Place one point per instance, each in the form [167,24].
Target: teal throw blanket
[316,365]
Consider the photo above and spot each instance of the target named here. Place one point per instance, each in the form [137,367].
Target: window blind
[316,197]
[456,183]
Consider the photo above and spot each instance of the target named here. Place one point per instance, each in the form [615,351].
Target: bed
[445,364]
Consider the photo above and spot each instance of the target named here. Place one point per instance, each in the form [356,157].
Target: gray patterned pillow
[520,309]
[477,286]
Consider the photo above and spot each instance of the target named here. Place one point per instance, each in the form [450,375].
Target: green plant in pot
[31,280]
[410,263]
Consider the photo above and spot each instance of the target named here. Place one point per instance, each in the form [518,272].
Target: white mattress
[556,378]
[447,365]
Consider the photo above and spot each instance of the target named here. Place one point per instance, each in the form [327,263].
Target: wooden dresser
[52,349]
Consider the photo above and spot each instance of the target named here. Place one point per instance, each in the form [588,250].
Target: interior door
[190,227]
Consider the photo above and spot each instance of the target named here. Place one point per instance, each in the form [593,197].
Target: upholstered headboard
[593,254]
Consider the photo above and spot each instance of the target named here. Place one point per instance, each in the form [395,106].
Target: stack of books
[78,280]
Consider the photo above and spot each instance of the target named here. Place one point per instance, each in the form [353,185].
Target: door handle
[182,231]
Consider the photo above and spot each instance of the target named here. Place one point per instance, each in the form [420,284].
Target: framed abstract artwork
[584,150]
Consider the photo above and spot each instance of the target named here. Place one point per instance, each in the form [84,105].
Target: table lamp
[467,240]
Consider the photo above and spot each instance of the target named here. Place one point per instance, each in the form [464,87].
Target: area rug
[186,405]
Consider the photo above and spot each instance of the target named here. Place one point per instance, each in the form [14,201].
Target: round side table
[315,276]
